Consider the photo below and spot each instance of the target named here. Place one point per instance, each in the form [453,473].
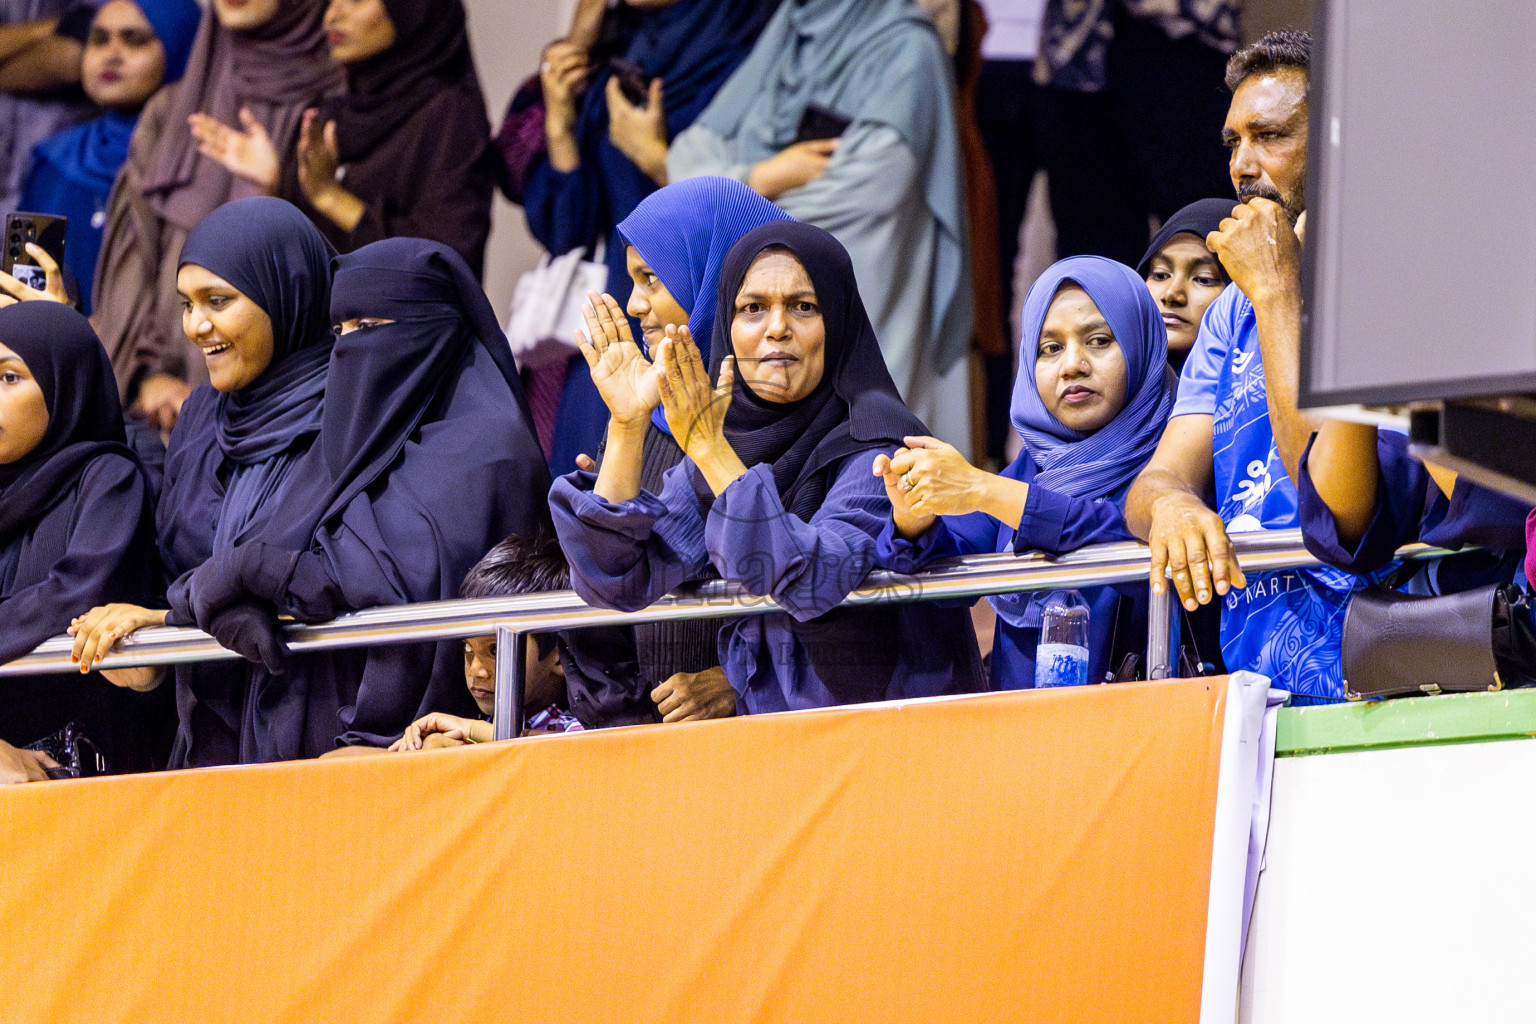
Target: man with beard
[1235,428]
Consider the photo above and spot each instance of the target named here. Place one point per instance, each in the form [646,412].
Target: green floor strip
[1406,722]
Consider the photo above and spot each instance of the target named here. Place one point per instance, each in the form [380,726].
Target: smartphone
[820,122]
[634,83]
[47,230]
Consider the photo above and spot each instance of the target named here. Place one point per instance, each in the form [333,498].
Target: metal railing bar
[511,682]
[967,577]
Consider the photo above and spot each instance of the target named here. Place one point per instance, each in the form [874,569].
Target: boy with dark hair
[518,565]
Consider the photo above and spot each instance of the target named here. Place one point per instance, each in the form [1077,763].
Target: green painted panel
[1406,722]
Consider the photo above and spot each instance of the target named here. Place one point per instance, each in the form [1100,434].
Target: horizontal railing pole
[969,577]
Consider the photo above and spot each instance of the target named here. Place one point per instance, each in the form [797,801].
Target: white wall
[507,37]
[1396,888]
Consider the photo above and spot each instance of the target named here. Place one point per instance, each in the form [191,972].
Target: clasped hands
[928,478]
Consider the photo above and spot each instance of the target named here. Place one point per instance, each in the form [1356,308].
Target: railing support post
[511,658]
[1160,623]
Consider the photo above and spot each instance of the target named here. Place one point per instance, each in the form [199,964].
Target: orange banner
[1040,856]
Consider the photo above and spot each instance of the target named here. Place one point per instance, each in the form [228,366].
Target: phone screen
[32,277]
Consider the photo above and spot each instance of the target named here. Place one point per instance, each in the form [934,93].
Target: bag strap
[1400,576]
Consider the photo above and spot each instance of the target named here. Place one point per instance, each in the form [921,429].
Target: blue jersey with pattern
[1288,623]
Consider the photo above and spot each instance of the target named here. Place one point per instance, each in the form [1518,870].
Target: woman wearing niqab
[421,379]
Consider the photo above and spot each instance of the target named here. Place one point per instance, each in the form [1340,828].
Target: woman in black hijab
[410,133]
[76,523]
[1184,276]
[426,459]
[777,490]
[255,289]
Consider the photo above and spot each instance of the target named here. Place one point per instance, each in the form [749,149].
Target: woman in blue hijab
[134,47]
[1093,393]
[591,176]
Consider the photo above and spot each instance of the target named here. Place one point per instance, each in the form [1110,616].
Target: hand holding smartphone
[42,229]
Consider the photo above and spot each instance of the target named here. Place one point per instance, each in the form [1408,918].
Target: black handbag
[1399,644]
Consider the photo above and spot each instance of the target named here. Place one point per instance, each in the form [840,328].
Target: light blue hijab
[874,62]
[1101,464]
[683,232]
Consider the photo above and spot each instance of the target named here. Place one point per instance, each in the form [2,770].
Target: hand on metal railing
[968,577]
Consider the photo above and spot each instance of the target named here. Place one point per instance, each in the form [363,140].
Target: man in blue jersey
[1235,428]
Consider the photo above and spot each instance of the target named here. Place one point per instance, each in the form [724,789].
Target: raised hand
[562,77]
[318,156]
[640,133]
[695,408]
[623,376]
[247,154]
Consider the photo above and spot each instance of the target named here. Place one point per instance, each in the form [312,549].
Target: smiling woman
[233,332]
[255,289]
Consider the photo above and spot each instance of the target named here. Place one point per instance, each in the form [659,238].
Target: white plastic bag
[546,305]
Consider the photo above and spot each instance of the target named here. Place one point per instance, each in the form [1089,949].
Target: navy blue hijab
[386,380]
[430,54]
[425,459]
[272,253]
[854,408]
[230,453]
[1199,218]
[85,421]
[693,45]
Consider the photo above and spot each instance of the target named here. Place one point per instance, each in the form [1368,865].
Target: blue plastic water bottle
[1061,659]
